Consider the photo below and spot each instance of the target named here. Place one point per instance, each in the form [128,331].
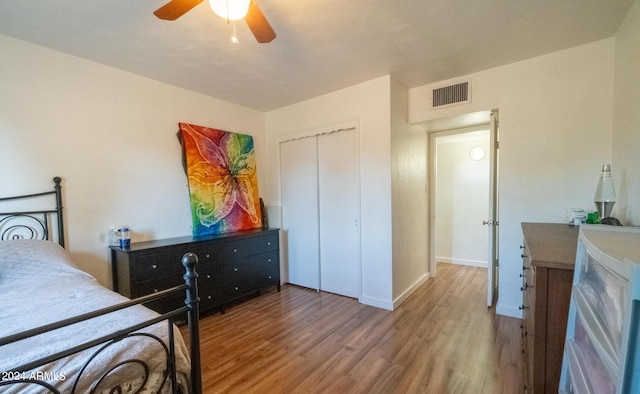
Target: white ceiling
[321,45]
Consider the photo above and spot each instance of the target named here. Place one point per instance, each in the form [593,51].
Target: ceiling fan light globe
[230,9]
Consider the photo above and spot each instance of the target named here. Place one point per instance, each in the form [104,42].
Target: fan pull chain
[234,38]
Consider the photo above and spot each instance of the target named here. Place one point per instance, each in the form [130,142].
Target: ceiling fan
[254,17]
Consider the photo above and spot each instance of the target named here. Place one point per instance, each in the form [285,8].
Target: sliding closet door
[299,171]
[339,202]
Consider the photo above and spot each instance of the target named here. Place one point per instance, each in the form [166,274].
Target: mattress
[40,284]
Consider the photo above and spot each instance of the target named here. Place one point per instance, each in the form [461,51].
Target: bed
[62,332]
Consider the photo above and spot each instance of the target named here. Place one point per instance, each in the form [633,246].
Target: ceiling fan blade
[258,24]
[175,9]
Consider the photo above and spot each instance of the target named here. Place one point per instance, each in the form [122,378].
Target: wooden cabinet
[229,266]
[548,258]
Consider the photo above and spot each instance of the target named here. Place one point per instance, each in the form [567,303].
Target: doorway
[461,125]
[461,196]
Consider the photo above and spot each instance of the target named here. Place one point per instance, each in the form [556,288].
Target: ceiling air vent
[445,96]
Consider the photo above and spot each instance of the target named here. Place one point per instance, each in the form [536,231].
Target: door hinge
[497,144]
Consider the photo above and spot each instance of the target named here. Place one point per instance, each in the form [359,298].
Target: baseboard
[510,311]
[471,263]
[378,303]
[400,299]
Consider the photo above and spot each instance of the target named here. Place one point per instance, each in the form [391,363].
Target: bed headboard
[36,223]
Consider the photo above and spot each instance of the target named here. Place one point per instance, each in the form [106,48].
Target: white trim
[352,122]
[378,303]
[399,300]
[470,263]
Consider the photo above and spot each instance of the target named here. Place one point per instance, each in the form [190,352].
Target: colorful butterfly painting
[223,182]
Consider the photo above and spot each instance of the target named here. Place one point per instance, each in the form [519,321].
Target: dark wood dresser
[230,266]
[549,253]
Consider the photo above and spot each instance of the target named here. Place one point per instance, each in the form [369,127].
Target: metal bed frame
[35,224]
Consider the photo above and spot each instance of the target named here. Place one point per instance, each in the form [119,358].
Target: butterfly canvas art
[222,178]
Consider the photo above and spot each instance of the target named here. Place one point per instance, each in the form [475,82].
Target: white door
[299,172]
[339,202]
[492,222]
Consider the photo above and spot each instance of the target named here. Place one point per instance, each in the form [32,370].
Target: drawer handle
[154,266]
[268,260]
[236,288]
[269,243]
[521,307]
[525,287]
[521,246]
[523,255]
[524,268]
[208,297]
[269,276]
[235,269]
[235,250]
[522,275]
[207,255]
[209,276]
[155,290]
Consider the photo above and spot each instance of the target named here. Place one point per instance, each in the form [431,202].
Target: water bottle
[125,237]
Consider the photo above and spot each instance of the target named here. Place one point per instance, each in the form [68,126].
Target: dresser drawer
[251,264]
[210,288]
[158,265]
[166,305]
[208,263]
[250,274]
[238,249]
[154,286]
[249,285]
[211,299]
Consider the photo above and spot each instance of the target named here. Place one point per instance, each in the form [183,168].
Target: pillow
[20,258]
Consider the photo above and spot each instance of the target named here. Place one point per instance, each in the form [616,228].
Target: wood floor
[443,339]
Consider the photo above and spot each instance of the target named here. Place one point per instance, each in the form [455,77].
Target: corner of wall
[508,310]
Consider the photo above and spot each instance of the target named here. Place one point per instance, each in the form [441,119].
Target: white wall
[626,119]
[369,103]
[111,136]
[462,199]
[409,199]
[556,115]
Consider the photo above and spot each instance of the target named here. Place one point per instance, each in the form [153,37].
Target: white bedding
[39,284]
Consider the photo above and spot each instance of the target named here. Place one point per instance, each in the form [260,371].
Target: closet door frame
[327,128]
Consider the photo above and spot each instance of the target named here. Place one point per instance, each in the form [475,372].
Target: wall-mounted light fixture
[477,153]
